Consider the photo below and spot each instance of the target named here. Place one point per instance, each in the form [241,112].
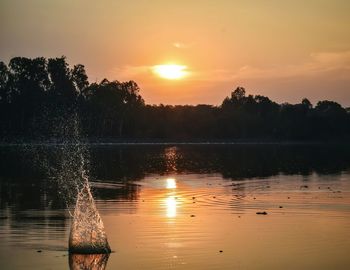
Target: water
[177,207]
[87,234]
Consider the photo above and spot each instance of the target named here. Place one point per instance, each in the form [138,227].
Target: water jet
[87,235]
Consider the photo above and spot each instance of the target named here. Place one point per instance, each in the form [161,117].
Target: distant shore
[113,141]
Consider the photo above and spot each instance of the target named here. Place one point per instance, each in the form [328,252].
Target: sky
[286,50]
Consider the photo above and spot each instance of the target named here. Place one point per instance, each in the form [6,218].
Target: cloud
[130,72]
[335,64]
[181,45]
[317,65]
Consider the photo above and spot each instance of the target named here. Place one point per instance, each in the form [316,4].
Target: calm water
[177,207]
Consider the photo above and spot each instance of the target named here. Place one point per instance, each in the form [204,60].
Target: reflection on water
[171,155]
[177,207]
[170,183]
[88,261]
[171,200]
[171,206]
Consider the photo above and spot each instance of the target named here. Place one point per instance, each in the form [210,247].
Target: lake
[224,206]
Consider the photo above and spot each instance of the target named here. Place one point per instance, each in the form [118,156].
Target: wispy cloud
[335,64]
[130,72]
[318,64]
[182,45]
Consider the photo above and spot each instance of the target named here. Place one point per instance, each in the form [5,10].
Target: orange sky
[286,50]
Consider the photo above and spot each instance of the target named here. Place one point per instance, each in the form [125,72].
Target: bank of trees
[40,98]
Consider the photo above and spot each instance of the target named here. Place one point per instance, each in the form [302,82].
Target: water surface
[185,207]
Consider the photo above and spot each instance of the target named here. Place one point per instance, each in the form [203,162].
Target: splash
[67,167]
[87,235]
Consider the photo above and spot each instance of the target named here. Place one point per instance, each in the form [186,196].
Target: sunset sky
[286,50]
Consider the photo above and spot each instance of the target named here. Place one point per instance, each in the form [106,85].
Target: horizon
[286,51]
[197,104]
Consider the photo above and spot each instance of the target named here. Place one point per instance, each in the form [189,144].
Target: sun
[170,71]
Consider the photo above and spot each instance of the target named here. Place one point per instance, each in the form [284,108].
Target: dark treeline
[36,94]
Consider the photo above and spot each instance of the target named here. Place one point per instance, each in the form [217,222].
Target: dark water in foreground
[185,207]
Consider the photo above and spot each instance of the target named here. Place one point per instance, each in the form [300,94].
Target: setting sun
[170,72]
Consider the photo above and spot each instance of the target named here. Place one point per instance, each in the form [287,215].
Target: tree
[111,103]
[306,103]
[80,78]
[62,84]
[4,84]
[238,94]
[30,78]
[40,97]
[27,86]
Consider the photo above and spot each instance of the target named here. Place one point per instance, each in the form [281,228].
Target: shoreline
[109,142]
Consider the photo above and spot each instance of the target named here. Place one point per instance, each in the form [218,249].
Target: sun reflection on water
[171,202]
[171,205]
[170,183]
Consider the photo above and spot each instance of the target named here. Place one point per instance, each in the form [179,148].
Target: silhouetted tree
[111,104]
[38,95]
[80,78]
[306,103]
[4,84]
[62,85]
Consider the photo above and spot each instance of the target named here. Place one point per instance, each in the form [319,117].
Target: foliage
[34,93]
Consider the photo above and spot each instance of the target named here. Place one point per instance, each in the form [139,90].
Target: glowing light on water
[170,183]
[171,206]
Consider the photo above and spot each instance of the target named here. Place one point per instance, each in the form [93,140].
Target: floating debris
[261,213]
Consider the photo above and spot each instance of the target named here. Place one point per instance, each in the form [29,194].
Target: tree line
[44,98]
